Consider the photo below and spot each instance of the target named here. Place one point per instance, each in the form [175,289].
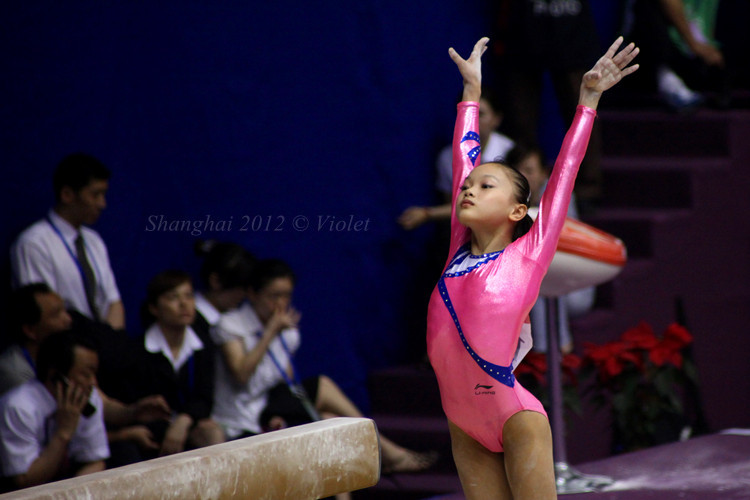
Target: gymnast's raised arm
[466,147]
[471,70]
[608,70]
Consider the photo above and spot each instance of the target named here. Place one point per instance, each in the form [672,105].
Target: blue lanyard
[73,254]
[283,372]
[181,396]
[27,355]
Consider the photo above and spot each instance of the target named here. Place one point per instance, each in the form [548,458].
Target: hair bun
[203,247]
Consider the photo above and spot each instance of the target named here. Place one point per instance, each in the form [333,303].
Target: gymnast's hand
[471,69]
[607,72]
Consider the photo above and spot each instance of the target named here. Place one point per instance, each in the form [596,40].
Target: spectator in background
[225,274]
[529,160]
[679,46]
[494,146]
[560,38]
[61,251]
[178,365]
[35,313]
[257,387]
[53,427]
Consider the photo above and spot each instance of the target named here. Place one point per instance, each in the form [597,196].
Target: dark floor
[704,468]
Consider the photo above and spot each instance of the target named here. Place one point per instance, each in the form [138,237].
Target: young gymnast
[477,324]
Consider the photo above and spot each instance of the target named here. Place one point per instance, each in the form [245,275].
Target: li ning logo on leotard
[480,390]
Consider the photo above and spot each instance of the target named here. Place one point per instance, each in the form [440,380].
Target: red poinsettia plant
[644,377]
[532,373]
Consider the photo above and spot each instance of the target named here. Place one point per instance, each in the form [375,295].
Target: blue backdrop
[299,129]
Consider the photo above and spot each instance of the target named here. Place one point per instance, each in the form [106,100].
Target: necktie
[88,272]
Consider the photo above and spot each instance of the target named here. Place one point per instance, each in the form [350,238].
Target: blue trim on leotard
[473,154]
[462,254]
[502,374]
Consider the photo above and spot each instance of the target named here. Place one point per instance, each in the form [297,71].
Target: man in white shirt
[35,313]
[63,252]
[53,426]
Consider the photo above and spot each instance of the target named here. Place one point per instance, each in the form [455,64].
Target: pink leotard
[477,320]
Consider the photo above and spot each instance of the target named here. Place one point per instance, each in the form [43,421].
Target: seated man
[52,427]
[35,313]
[61,251]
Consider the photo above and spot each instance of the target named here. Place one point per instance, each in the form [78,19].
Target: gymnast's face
[487,198]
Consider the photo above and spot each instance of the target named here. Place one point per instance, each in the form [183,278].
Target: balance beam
[305,462]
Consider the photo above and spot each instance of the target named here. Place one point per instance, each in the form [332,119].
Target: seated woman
[225,274]
[256,385]
[178,365]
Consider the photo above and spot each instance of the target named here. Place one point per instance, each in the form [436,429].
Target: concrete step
[635,227]
[656,182]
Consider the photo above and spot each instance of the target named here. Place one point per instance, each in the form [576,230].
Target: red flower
[664,353]
[570,364]
[669,348]
[611,358]
[534,363]
[641,336]
[679,334]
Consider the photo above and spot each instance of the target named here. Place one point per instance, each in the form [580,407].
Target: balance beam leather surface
[306,462]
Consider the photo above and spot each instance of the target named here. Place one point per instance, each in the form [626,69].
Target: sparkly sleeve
[553,208]
[466,154]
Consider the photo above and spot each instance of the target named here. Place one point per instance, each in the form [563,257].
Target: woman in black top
[179,365]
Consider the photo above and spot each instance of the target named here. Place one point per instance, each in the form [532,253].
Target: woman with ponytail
[225,274]
[477,324]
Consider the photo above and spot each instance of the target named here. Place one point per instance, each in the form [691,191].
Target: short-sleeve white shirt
[27,423]
[155,342]
[496,148]
[15,368]
[237,407]
[40,254]
[207,310]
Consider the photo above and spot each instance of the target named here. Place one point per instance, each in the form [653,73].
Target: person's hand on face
[282,319]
